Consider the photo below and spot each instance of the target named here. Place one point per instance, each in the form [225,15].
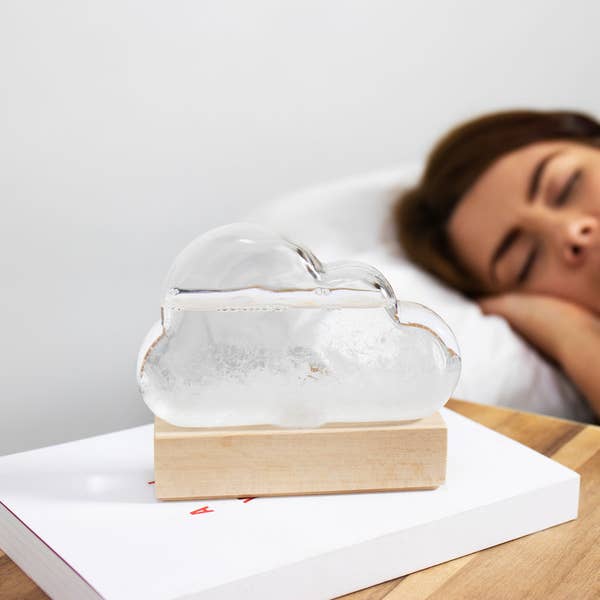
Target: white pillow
[351,219]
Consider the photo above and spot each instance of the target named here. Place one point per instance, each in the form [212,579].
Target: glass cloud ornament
[256,330]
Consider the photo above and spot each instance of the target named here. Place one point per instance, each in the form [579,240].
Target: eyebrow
[513,234]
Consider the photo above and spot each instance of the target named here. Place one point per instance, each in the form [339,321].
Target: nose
[579,233]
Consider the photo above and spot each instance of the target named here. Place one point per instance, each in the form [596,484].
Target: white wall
[127,128]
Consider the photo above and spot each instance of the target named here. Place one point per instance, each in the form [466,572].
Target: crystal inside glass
[256,330]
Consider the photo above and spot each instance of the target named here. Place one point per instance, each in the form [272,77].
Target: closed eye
[524,273]
[564,194]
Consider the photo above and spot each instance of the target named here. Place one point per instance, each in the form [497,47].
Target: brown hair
[421,214]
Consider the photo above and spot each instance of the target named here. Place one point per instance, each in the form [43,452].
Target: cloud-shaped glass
[256,330]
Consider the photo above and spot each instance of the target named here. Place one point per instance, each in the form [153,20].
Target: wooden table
[562,562]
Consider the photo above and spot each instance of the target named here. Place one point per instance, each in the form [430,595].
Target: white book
[81,519]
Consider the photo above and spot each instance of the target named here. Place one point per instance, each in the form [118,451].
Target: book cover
[82,520]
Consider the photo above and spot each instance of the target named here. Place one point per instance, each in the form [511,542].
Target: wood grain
[14,584]
[557,563]
[271,461]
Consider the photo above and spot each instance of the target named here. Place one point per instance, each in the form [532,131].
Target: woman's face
[531,223]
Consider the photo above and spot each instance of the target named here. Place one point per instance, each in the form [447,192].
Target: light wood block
[264,460]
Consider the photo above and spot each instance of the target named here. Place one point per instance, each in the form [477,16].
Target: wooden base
[264,460]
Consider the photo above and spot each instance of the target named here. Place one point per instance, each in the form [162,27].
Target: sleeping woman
[508,212]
